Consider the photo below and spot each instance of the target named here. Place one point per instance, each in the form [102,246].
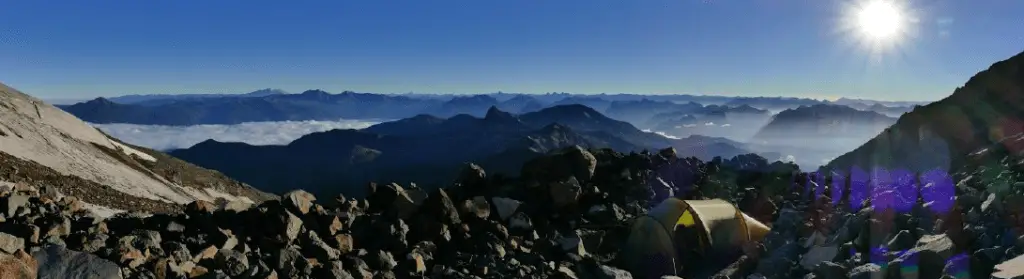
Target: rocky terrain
[566,216]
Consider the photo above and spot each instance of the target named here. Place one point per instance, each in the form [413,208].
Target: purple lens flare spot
[858,188]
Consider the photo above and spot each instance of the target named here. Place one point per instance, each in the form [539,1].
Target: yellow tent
[710,227]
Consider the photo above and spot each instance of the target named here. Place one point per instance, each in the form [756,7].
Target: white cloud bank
[257,133]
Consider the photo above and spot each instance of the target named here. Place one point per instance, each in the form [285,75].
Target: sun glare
[878,26]
[879,19]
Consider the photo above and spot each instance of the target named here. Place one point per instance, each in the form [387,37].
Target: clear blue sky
[82,49]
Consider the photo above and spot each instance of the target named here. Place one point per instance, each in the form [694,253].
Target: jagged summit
[100,101]
[496,115]
[49,147]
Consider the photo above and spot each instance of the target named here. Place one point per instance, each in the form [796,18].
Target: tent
[684,231]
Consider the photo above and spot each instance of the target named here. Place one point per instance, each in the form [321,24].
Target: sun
[879,19]
[878,26]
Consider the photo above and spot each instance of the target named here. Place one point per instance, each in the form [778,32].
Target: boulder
[290,263]
[571,243]
[472,175]
[319,249]
[930,253]
[382,260]
[830,270]
[343,243]
[9,205]
[9,243]
[19,266]
[405,205]
[477,207]
[568,162]
[199,207]
[57,262]
[298,200]
[505,206]
[565,192]
[902,241]
[607,272]
[439,206]
[818,254]
[520,221]
[867,271]
[231,262]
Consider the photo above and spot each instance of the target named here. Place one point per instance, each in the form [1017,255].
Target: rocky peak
[496,115]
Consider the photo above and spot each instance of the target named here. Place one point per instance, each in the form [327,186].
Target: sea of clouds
[165,138]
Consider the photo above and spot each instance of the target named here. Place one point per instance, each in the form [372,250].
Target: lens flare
[878,26]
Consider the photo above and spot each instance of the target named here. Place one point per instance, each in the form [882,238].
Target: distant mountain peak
[100,101]
[493,113]
[473,99]
[568,109]
[265,92]
[315,92]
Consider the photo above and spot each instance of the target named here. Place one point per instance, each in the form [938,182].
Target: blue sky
[82,49]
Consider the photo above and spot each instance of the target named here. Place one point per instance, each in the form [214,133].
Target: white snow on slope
[49,136]
[101,211]
[162,137]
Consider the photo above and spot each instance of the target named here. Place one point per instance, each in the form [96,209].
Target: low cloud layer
[257,133]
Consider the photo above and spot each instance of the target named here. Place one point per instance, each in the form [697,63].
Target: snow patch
[101,211]
[210,194]
[660,133]
[131,151]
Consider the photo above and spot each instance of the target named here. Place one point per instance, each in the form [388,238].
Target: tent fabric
[722,226]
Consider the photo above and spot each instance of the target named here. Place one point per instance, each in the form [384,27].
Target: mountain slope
[981,113]
[823,121]
[44,145]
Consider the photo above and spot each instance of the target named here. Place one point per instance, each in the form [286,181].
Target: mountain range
[429,150]
[276,105]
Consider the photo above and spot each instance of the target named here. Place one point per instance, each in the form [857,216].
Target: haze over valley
[806,131]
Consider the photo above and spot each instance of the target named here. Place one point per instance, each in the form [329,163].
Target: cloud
[666,135]
[788,159]
[709,124]
[660,133]
[257,133]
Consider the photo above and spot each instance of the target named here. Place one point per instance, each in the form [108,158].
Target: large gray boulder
[56,262]
[9,243]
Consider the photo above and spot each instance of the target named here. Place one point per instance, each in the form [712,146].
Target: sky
[84,49]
